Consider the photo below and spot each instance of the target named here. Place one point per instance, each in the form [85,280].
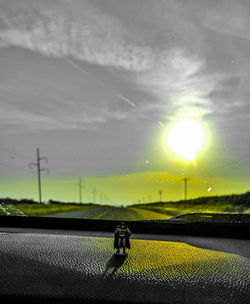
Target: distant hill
[236,203]
[234,199]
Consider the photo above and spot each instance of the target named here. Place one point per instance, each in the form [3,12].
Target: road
[112,213]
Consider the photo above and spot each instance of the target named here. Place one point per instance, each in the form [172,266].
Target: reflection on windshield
[128,112]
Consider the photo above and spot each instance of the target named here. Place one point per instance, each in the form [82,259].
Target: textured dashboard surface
[84,267]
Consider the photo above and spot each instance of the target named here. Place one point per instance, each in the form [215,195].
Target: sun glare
[186,138]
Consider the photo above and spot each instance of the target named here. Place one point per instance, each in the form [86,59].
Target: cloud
[76,29]
[228,17]
[11,115]
[14,115]
[180,83]
[84,72]
[172,71]
[80,30]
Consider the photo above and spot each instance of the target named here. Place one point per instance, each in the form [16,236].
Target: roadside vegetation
[32,208]
[216,204]
[157,210]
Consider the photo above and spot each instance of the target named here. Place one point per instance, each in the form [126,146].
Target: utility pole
[39,170]
[185,187]
[101,197]
[80,185]
[160,193]
[94,194]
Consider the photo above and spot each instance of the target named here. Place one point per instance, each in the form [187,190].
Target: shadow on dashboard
[113,265]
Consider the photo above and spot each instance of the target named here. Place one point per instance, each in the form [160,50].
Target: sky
[96,85]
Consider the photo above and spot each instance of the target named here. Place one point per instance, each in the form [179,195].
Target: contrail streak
[84,72]
[126,100]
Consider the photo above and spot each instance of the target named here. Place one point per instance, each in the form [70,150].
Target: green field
[173,210]
[153,211]
[40,209]
[104,212]
[82,211]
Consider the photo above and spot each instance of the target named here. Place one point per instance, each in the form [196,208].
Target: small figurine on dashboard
[122,234]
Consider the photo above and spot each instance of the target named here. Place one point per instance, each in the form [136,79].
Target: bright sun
[186,138]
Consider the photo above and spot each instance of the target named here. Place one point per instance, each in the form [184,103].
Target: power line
[80,185]
[8,166]
[230,164]
[212,172]
[39,170]
[12,166]
[14,153]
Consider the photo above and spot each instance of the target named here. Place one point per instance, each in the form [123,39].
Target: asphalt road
[90,213]
[111,213]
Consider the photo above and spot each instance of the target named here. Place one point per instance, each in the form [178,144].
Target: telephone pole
[185,187]
[39,170]
[101,197]
[160,193]
[94,194]
[80,185]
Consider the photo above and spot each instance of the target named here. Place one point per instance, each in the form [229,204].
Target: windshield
[127,110]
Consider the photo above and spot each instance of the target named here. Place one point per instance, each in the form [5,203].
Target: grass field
[146,214]
[83,211]
[153,211]
[39,209]
[173,210]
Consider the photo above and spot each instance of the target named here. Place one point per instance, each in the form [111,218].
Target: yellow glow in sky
[186,138]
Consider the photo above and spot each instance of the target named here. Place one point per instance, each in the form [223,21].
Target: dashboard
[70,266]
